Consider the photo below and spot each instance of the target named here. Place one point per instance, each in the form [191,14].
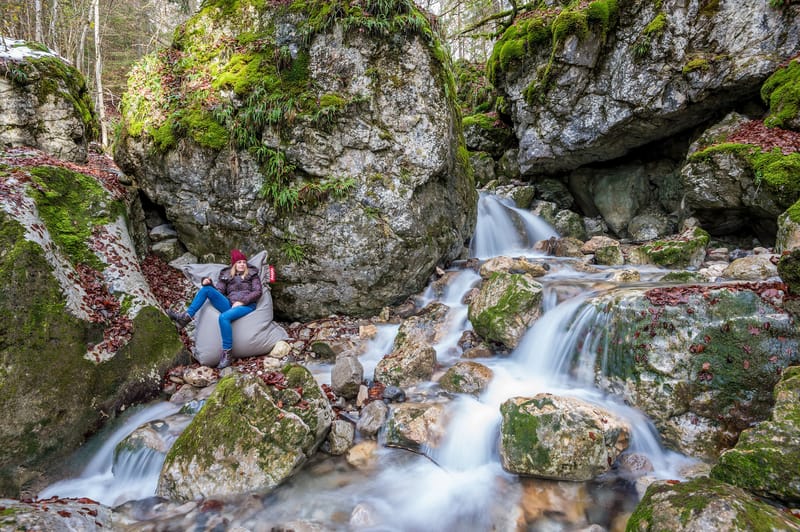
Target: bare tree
[38,35]
[98,75]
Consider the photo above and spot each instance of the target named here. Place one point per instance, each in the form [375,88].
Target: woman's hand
[237,304]
[206,281]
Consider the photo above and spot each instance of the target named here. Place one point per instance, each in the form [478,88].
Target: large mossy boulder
[590,81]
[82,334]
[766,457]
[252,434]
[700,361]
[706,504]
[560,438]
[44,102]
[325,133]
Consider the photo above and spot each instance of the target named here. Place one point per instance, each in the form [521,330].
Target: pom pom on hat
[236,256]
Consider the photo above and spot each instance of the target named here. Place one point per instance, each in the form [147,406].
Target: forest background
[104,38]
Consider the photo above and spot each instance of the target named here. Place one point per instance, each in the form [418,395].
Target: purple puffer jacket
[246,290]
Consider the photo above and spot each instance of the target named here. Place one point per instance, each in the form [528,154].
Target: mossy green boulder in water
[766,458]
[249,436]
[706,504]
[700,361]
[507,304]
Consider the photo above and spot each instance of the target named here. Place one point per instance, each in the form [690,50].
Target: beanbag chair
[254,334]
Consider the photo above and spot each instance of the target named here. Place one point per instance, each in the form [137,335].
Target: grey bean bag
[254,334]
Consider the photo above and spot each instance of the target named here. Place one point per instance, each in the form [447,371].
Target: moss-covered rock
[561,438]
[687,249]
[507,304]
[788,235]
[700,361]
[706,504]
[789,270]
[45,102]
[248,437]
[417,427]
[327,133]
[73,352]
[466,377]
[766,456]
[782,93]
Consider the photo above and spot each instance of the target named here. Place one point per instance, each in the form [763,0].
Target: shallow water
[460,485]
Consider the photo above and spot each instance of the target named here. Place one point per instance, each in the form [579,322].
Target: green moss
[794,212]
[782,93]
[520,435]
[676,252]
[205,130]
[696,64]
[482,120]
[683,277]
[548,28]
[656,26]
[71,206]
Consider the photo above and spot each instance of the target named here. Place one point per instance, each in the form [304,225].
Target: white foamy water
[461,484]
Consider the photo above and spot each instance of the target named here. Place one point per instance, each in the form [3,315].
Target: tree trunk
[98,78]
[52,37]
[38,34]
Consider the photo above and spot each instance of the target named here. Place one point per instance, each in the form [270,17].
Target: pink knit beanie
[236,256]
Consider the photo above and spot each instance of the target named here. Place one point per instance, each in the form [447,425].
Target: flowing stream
[460,485]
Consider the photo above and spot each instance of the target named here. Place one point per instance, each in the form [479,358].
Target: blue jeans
[228,313]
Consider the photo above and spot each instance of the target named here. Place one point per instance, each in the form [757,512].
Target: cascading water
[461,484]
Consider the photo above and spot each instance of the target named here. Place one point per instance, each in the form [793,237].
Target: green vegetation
[676,252]
[541,26]
[653,30]
[224,91]
[698,63]
[782,93]
[71,206]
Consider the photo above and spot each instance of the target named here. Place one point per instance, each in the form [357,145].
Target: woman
[235,295]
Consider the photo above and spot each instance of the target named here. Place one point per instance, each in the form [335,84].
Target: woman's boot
[181,319]
[225,359]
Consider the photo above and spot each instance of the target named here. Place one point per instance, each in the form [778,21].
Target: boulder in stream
[248,437]
[560,438]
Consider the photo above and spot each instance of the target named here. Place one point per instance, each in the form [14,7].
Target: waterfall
[504,229]
[461,484]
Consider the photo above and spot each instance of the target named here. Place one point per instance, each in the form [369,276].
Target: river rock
[766,456]
[505,307]
[373,416]
[569,223]
[341,437]
[44,102]
[788,235]
[512,265]
[324,139]
[346,376]
[700,361]
[413,358]
[466,377]
[248,437]
[789,270]
[686,249]
[55,514]
[156,436]
[752,268]
[582,96]
[416,427]
[561,438]
[706,504]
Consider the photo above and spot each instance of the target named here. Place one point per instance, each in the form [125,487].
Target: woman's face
[240,265]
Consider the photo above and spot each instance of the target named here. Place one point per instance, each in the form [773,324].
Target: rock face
[44,102]
[507,304]
[765,458]
[700,362]
[561,438]
[345,160]
[83,335]
[597,81]
[248,437]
